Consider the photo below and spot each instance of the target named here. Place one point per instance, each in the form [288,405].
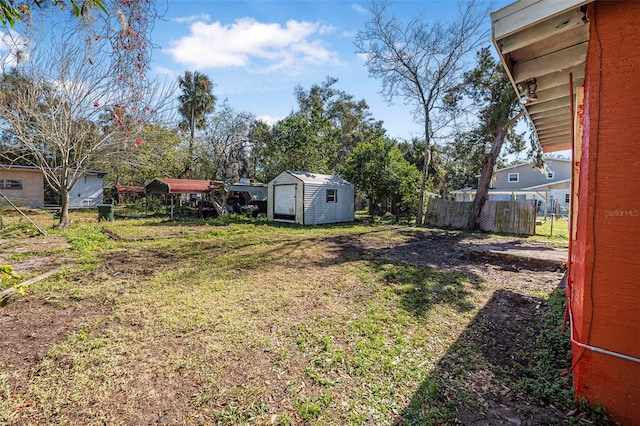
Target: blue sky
[256,52]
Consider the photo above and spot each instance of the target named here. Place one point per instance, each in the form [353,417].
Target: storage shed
[310,199]
[88,190]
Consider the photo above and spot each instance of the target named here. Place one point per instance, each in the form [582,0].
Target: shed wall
[318,211]
[87,192]
[32,192]
[604,265]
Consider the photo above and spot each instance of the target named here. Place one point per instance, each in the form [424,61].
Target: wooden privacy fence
[510,217]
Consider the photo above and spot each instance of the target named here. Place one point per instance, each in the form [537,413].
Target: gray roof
[318,178]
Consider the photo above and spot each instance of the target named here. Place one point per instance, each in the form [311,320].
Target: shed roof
[180,186]
[544,42]
[318,178]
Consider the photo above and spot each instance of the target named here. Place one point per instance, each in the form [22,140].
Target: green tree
[413,152]
[488,88]
[320,135]
[379,170]
[300,142]
[157,153]
[420,61]
[462,162]
[196,101]
[257,140]
[350,118]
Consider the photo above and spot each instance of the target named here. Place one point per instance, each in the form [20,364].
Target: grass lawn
[241,321]
[554,230]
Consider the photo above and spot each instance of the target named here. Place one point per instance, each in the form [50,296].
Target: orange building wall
[605,254]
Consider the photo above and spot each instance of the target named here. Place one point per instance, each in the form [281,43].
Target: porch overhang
[542,45]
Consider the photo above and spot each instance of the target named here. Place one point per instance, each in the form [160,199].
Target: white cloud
[192,18]
[160,70]
[364,57]
[361,10]
[249,42]
[269,119]
[12,46]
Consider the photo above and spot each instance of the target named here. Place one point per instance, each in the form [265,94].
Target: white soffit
[545,41]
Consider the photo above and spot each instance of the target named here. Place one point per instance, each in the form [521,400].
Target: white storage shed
[87,191]
[310,199]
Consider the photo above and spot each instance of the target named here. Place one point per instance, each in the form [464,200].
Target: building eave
[545,41]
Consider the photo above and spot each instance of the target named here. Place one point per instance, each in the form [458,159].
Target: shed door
[284,202]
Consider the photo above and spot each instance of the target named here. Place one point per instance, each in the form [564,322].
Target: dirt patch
[30,328]
[132,263]
[501,330]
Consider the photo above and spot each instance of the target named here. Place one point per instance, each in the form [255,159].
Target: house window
[550,175]
[10,184]
[513,177]
[567,198]
[332,195]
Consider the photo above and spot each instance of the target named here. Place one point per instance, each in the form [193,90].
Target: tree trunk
[372,206]
[63,225]
[425,171]
[192,137]
[488,165]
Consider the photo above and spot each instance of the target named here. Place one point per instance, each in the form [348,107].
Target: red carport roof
[125,189]
[181,186]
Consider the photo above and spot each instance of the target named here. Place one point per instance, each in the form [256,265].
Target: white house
[551,186]
[310,199]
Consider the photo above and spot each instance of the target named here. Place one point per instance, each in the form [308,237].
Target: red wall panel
[605,269]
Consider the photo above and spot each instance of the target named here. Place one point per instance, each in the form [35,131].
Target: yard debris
[4,295]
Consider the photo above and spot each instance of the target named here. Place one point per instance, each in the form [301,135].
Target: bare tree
[420,61]
[227,139]
[53,105]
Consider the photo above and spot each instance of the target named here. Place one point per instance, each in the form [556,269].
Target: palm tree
[196,101]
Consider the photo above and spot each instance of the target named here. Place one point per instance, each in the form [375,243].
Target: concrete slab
[538,255]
